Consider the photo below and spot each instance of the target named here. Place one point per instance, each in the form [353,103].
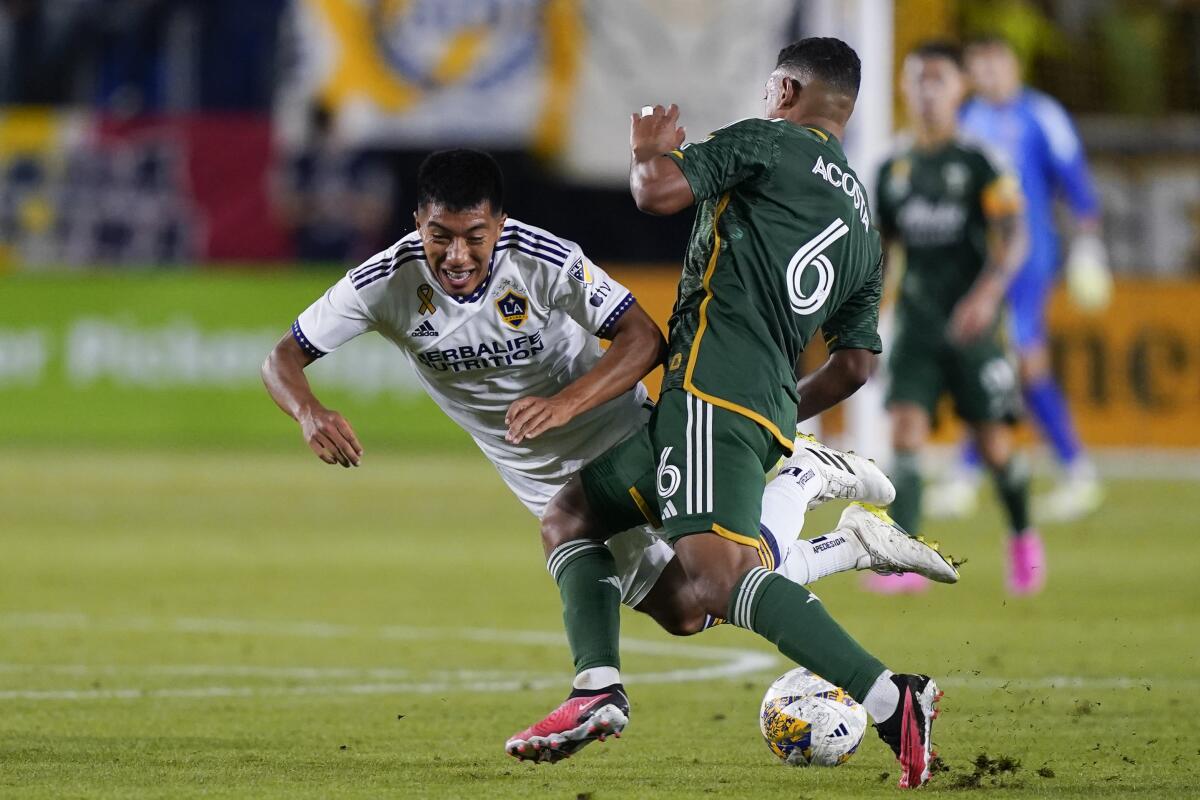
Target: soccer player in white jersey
[502,323]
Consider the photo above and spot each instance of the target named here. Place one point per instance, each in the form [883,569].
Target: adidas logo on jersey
[424,329]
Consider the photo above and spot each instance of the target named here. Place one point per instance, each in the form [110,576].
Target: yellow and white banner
[427,73]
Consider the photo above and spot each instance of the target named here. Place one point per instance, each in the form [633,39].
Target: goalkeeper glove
[1089,282]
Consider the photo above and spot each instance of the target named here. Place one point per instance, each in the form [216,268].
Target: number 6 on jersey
[812,252]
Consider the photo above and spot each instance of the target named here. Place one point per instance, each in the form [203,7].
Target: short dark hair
[939,48]
[829,60]
[460,179]
[990,39]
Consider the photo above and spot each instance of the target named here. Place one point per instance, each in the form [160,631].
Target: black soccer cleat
[909,729]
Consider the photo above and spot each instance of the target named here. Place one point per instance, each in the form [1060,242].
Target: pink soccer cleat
[903,583]
[909,730]
[569,728]
[1026,564]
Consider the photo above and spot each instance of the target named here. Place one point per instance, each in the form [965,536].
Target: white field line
[725,662]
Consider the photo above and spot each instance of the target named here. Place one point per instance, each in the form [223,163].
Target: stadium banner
[424,73]
[82,188]
[142,360]
[710,57]
[173,359]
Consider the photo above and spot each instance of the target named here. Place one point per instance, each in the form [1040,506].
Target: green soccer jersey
[782,245]
[937,204]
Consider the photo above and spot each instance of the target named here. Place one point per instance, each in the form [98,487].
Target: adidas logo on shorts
[424,329]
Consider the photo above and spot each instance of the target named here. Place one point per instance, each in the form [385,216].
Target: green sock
[906,477]
[586,575]
[794,620]
[1012,487]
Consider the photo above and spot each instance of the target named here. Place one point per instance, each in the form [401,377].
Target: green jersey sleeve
[737,153]
[855,325]
[999,190]
[885,215]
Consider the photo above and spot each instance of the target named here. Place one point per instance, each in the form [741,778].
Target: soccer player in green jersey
[783,246]
[957,214]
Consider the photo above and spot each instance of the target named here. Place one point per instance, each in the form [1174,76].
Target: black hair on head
[824,58]
[460,179]
[939,48]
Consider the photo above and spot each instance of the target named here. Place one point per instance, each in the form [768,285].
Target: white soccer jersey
[531,328]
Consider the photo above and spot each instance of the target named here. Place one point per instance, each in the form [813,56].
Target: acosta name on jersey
[485,354]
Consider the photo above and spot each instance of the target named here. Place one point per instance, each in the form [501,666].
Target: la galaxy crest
[513,308]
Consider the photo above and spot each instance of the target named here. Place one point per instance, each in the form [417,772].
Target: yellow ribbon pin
[425,293]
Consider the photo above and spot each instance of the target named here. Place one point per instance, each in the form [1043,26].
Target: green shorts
[979,377]
[696,467]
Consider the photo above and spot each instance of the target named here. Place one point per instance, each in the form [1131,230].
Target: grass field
[244,624]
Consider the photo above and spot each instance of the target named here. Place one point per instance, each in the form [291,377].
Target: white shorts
[641,555]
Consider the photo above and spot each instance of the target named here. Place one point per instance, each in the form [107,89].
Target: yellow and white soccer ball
[806,720]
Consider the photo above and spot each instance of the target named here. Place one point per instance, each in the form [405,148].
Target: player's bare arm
[842,374]
[658,184]
[327,432]
[637,347]
[1008,244]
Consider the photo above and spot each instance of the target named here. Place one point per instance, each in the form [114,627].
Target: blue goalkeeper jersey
[1035,135]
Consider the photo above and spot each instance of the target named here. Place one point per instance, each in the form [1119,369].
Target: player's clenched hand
[972,316]
[331,437]
[529,417]
[656,133]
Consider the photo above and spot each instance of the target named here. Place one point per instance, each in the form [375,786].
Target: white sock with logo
[596,678]
[809,560]
[784,502]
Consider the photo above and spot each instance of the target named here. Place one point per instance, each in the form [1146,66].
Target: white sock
[882,699]
[596,678]
[809,560]
[784,501]
[1081,470]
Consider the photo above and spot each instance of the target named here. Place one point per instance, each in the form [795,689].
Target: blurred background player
[1033,131]
[958,217]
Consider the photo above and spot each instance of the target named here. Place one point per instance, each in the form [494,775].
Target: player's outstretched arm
[657,184]
[842,374]
[637,347]
[326,431]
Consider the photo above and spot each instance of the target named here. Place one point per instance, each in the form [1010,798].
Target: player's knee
[994,443]
[714,589]
[1034,364]
[566,519]
[560,527]
[910,427]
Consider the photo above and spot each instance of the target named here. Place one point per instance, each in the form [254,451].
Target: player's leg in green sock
[794,620]
[910,430]
[906,477]
[587,580]
[1010,473]
[1012,487]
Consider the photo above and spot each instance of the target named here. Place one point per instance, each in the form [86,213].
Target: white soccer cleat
[845,475]
[890,549]
[954,498]
[1073,498]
